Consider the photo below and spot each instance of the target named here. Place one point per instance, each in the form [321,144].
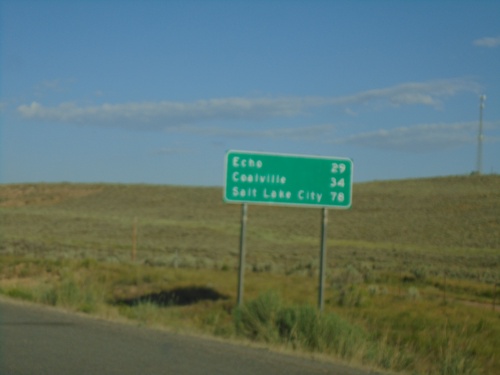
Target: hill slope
[414,264]
[439,220]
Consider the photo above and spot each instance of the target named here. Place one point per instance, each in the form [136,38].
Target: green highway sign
[283,179]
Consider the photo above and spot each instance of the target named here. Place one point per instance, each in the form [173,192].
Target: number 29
[338,168]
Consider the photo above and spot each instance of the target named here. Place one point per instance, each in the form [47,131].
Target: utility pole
[479,168]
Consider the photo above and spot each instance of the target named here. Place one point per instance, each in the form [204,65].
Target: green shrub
[20,294]
[82,295]
[299,326]
[266,318]
[456,354]
[256,319]
[413,293]
[145,312]
[420,273]
[350,296]
[373,290]
[47,295]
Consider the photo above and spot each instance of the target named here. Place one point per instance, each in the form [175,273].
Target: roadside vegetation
[413,267]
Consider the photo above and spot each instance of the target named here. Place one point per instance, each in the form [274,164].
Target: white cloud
[312,132]
[303,133]
[420,138]
[417,138]
[49,85]
[164,114]
[489,42]
[46,87]
[167,114]
[173,151]
[411,93]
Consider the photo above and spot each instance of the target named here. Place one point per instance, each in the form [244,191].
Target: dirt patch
[176,297]
[42,194]
[482,305]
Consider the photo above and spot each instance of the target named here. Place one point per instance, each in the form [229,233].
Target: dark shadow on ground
[176,297]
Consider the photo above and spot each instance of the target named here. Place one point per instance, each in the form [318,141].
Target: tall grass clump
[456,350]
[71,292]
[302,327]
[145,313]
[257,318]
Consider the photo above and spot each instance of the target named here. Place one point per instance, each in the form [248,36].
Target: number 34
[334,182]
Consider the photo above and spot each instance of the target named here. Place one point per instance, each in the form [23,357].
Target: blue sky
[156,92]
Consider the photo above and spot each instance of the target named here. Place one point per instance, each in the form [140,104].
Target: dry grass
[414,263]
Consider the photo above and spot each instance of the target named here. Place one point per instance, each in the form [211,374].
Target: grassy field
[412,277]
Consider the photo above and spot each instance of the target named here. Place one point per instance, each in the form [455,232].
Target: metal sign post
[241,271]
[322,260]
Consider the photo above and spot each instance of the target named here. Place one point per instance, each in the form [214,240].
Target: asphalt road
[40,340]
